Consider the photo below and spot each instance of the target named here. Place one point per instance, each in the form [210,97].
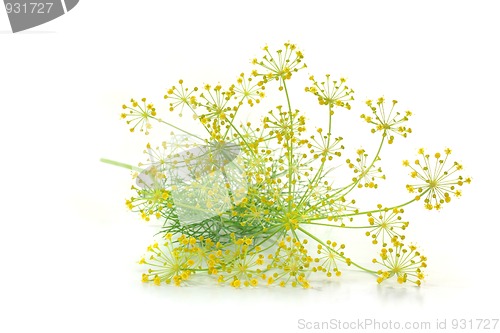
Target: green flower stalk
[238,202]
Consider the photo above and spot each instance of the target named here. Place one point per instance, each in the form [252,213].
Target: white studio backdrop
[68,245]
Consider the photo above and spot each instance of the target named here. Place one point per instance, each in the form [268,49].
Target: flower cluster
[388,122]
[243,202]
[138,115]
[438,180]
[403,262]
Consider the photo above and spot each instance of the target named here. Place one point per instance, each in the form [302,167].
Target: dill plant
[241,211]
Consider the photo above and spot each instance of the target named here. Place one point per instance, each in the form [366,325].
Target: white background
[69,247]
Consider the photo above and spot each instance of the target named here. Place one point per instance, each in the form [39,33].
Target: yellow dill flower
[171,261]
[291,262]
[438,179]
[241,262]
[388,122]
[182,97]
[139,115]
[386,225]
[406,263]
[324,148]
[366,172]
[328,255]
[281,66]
[332,93]
[217,103]
[246,90]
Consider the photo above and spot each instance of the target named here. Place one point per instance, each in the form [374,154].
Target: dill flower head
[389,122]
[247,89]
[282,65]
[386,225]
[292,262]
[365,170]
[331,92]
[403,262]
[138,115]
[437,180]
[181,97]
[170,262]
[327,259]
[243,263]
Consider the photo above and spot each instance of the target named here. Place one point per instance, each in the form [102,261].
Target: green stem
[120,164]
[266,239]
[327,246]
[316,177]
[242,139]
[340,226]
[352,186]
[178,128]
[375,210]
[289,148]
[232,119]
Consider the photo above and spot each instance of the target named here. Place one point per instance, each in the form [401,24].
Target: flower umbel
[331,92]
[386,224]
[439,179]
[283,64]
[403,262]
[138,115]
[387,121]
